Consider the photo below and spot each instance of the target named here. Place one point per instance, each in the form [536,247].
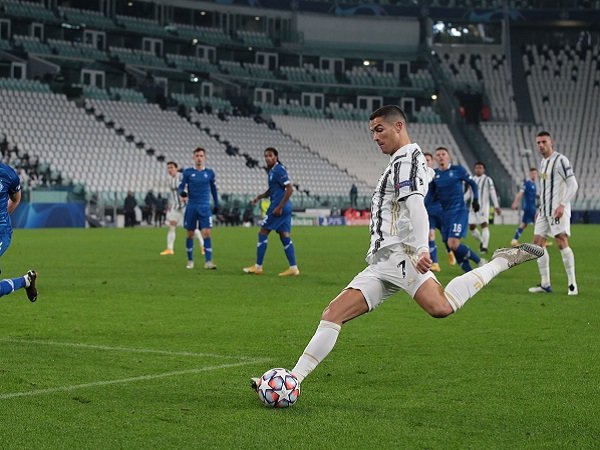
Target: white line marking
[124,349]
[123,380]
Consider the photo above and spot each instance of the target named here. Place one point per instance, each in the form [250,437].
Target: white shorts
[477,218]
[392,270]
[548,227]
[175,215]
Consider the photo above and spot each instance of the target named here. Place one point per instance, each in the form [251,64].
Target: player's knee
[440,311]
[330,316]
[439,308]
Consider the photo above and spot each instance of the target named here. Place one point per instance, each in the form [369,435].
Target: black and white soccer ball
[278,388]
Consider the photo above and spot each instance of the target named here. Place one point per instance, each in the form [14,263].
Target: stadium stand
[42,124]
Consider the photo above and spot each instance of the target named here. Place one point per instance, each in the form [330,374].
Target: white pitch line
[122,349]
[123,380]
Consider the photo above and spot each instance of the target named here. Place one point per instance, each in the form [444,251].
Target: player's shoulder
[563,158]
[7,171]
[280,168]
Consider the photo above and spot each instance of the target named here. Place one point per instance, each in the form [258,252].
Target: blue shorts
[5,239]
[454,224]
[435,221]
[197,216]
[528,216]
[281,224]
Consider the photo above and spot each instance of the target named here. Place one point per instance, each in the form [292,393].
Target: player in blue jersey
[448,189]
[279,215]
[10,197]
[528,194]
[197,186]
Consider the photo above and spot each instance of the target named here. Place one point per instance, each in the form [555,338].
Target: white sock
[569,262]
[476,234]
[171,238]
[485,236]
[544,267]
[27,283]
[462,288]
[317,349]
[198,236]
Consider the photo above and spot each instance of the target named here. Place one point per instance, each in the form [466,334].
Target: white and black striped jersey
[486,190]
[406,174]
[174,198]
[554,172]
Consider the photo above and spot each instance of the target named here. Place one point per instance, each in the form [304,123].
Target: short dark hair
[443,148]
[427,154]
[388,111]
[172,163]
[199,149]
[533,169]
[543,133]
[479,163]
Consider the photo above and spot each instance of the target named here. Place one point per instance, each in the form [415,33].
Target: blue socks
[208,249]
[463,254]
[189,245]
[261,248]
[518,233]
[433,251]
[10,285]
[288,248]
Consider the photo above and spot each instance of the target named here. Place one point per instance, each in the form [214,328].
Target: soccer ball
[278,388]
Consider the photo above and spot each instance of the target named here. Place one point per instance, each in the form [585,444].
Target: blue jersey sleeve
[471,182]
[14,185]
[213,189]
[282,176]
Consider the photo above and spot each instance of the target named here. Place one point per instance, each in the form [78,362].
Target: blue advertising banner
[49,215]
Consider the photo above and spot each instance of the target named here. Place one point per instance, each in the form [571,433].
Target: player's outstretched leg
[460,289]
[8,286]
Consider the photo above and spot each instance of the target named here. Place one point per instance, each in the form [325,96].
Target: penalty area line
[122,349]
[124,380]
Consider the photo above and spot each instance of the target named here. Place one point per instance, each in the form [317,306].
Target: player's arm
[182,186]
[420,224]
[494,196]
[261,196]
[570,192]
[215,195]
[13,201]
[471,182]
[517,200]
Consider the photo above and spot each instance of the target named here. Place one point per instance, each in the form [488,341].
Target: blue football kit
[200,186]
[448,188]
[10,185]
[278,179]
[529,190]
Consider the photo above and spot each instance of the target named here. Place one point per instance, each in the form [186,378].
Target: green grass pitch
[126,349]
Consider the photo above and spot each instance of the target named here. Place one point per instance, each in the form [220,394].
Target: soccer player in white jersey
[175,209]
[558,186]
[487,191]
[398,257]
